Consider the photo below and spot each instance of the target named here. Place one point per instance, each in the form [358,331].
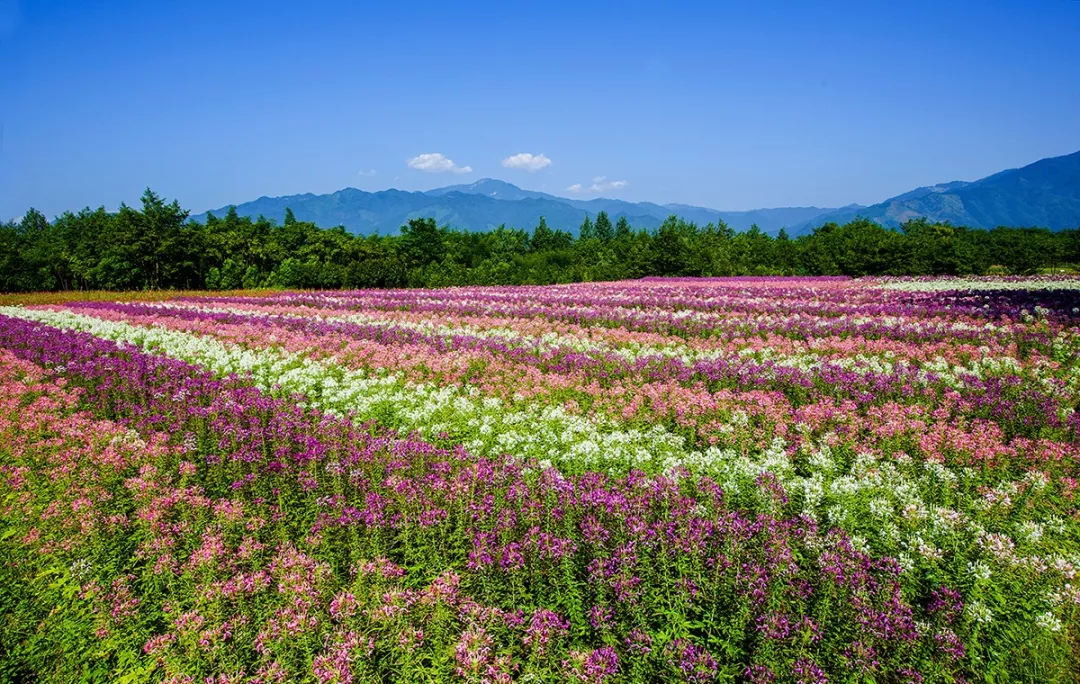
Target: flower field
[688,480]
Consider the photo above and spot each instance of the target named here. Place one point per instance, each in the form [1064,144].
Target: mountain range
[1045,193]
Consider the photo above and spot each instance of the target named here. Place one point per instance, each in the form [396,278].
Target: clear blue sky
[728,105]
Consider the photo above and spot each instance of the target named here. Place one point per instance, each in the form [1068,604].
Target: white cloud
[600,184]
[369,172]
[435,162]
[526,161]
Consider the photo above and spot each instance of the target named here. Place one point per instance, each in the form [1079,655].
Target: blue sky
[728,105]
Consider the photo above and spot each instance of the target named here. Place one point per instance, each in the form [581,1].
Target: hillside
[1045,193]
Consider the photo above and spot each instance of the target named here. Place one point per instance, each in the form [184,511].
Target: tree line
[157,246]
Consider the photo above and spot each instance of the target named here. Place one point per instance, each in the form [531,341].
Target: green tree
[421,242]
[163,252]
[784,253]
[543,238]
[603,228]
[670,248]
[586,231]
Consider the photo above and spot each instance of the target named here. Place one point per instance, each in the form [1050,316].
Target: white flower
[1048,621]
[881,507]
[978,612]
[1030,531]
[979,570]
[1037,479]
[80,568]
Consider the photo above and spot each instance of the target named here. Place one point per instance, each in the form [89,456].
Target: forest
[158,247]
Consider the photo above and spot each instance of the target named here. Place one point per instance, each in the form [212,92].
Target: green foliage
[603,228]
[157,247]
[670,249]
[586,231]
[421,242]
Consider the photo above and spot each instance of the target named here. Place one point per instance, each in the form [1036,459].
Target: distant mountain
[487,203]
[386,211]
[768,220]
[1045,194]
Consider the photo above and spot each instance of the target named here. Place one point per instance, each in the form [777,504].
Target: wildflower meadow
[789,480]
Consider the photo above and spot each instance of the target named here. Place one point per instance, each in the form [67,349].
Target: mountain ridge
[488,203]
[1044,193]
